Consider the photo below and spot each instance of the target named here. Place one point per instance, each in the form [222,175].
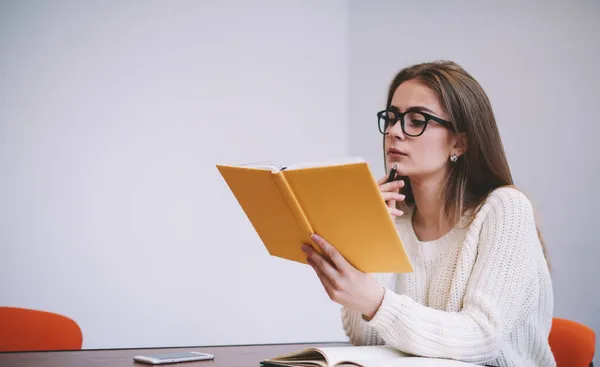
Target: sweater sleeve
[498,290]
[356,328]
[358,331]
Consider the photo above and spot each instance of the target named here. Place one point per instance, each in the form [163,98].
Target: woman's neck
[429,217]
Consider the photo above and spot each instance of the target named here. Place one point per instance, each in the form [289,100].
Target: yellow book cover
[340,201]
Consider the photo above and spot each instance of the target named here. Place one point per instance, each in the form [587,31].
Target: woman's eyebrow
[417,108]
[420,108]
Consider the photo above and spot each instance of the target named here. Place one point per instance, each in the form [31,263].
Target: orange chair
[28,330]
[573,344]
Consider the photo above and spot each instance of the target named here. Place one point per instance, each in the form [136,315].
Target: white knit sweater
[482,293]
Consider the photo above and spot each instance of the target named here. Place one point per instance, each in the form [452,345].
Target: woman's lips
[393,152]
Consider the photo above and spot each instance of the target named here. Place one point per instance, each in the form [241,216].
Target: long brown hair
[483,167]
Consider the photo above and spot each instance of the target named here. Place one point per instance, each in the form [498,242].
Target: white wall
[539,66]
[112,117]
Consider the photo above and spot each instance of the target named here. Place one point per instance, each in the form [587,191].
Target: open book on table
[339,200]
[361,356]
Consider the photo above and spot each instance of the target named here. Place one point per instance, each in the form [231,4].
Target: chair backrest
[573,344]
[27,330]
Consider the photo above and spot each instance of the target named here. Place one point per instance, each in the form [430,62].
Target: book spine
[287,192]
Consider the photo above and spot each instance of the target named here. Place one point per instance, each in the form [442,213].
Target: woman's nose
[395,132]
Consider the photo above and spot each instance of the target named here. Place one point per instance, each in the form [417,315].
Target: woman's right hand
[389,191]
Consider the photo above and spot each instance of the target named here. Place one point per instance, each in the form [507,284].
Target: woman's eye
[415,119]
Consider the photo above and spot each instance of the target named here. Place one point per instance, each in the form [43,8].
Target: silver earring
[453,157]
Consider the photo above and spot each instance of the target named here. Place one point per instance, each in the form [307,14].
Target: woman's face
[429,153]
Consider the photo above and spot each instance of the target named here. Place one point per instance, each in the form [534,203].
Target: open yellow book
[362,356]
[340,201]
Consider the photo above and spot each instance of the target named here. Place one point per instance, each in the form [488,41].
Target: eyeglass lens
[414,122]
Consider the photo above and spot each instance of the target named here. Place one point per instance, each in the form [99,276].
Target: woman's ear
[461,143]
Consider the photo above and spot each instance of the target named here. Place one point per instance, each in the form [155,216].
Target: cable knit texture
[482,293]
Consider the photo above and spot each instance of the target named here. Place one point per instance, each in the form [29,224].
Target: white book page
[276,167]
[268,165]
[312,354]
[362,353]
[409,362]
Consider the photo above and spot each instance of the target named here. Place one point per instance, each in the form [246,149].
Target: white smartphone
[173,357]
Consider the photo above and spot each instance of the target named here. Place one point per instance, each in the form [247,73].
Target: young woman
[481,290]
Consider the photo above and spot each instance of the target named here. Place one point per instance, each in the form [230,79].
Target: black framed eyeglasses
[413,122]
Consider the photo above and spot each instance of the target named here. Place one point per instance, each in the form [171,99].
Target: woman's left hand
[344,283]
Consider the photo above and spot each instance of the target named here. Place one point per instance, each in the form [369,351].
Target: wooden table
[225,356]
